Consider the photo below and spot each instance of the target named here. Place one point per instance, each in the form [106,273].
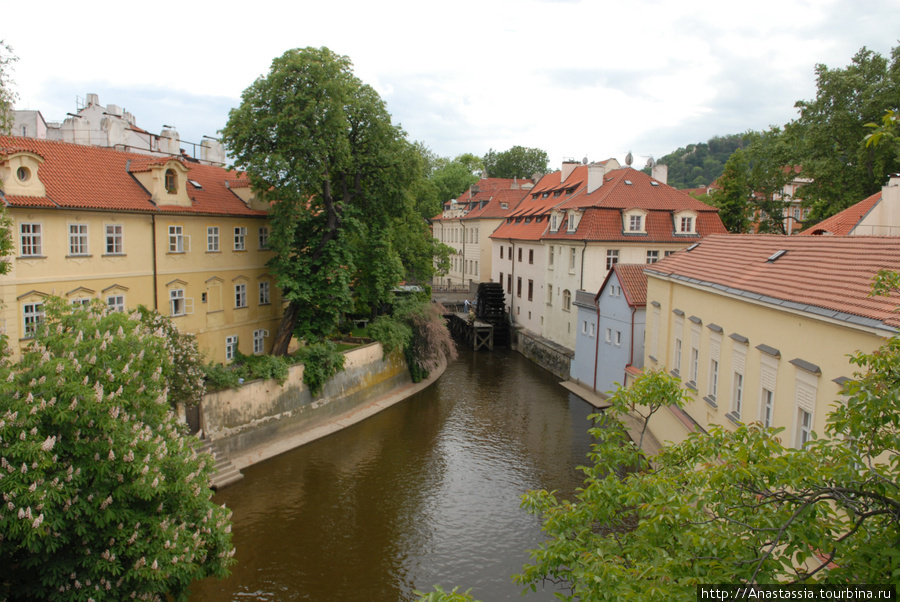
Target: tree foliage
[319,145]
[828,138]
[517,162]
[735,195]
[8,96]
[700,164]
[104,494]
[733,507]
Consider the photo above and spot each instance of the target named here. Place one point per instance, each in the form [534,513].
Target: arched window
[567,300]
[171,181]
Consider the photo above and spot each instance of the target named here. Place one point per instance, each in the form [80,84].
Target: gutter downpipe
[512,297]
[583,249]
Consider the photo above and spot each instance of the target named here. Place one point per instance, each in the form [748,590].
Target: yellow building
[759,328]
[187,239]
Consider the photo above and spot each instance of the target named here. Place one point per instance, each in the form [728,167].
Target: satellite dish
[584,161]
[651,163]
[628,159]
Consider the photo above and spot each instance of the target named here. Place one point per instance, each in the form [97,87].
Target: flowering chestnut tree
[104,495]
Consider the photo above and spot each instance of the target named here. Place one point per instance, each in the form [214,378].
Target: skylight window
[654,183]
[692,247]
[776,255]
[628,182]
[195,184]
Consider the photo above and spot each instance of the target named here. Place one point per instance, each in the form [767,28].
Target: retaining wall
[543,352]
[263,411]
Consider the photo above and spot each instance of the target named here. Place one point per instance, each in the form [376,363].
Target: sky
[575,78]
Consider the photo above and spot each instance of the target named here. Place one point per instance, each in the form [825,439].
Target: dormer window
[554,223]
[171,181]
[635,223]
[572,222]
[685,222]
[23,174]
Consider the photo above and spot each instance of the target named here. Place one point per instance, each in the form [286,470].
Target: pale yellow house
[187,239]
[759,328]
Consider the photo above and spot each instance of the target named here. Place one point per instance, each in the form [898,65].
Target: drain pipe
[583,249]
[597,343]
[631,358]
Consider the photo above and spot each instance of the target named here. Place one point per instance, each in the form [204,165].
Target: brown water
[426,492]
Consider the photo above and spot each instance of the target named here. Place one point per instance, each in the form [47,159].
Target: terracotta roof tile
[844,222]
[817,273]
[634,282]
[91,177]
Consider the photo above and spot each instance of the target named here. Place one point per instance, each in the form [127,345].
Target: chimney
[596,174]
[660,173]
[92,99]
[567,168]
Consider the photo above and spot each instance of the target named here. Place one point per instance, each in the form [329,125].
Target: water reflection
[426,492]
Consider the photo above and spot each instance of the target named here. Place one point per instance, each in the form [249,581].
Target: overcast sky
[574,78]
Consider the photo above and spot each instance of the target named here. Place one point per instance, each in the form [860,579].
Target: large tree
[319,145]
[829,136]
[517,162]
[7,94]
[104,495]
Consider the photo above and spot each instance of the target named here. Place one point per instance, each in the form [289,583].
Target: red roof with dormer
[490,198]
[78,176]
[844,222]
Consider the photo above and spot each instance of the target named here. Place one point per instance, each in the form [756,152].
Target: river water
[426,492]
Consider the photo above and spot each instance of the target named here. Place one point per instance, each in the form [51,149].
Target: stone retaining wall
[263,411]
[543,352]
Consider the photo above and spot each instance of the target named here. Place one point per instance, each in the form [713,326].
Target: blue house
[609,344]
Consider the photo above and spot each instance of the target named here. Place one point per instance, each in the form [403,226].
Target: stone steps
[224,472]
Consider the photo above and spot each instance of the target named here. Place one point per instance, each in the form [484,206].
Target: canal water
[426,492]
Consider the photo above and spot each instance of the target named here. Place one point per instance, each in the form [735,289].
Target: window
[520,255]
[177,305]
[593,329]
[519,286]
[509,283]
[510,254]
[263,237]
[31,240]
[171,181]
[608,335]
[804,420]
[738,396]
[635,222]
[264,293]
[501,279]
[83,301]
[767,404]
[212,239]
[695,361]
[612,258]
[501,251]
[567,300]
[530,289]
[677,355]
[554,225]
[530,255]
[618,338]
[78,239]
[116,302]
[176,239]
[549,294]
[552,252]
[240,239]
[23,173]
[231,344]
[667,253]
[240,295]
[571,224]
[259,341]
[687,224]
[34,315]
[572,258]
[652,256]
[713,378]
[114,242]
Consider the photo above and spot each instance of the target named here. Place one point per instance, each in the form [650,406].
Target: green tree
[829,136]
[734,198]
[733,507]
[699,164]
[517,162]
[320,146]
[105,496]
[8,97]
[886,133]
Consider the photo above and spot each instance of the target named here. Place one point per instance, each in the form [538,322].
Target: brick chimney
[660,173]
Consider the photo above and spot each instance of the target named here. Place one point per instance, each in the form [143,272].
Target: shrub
[321,361]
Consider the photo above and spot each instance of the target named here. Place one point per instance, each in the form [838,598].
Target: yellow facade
[730,351]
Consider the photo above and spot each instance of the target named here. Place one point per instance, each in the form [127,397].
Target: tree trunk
[285,329]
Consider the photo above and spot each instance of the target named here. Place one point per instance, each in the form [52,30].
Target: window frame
[265,297]
[263,238]
[117,305]
[240,238]
[240,295]
[78,240]
[213,240]
[31,318]
[176,239]
[115,241]
[231,346]
[35,237]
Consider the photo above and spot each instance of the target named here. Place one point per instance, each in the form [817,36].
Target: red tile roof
[827,276]
[484,199]
[633,281]
[844,222]
[89,177]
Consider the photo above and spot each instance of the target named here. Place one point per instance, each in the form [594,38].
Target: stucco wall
[262,411]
